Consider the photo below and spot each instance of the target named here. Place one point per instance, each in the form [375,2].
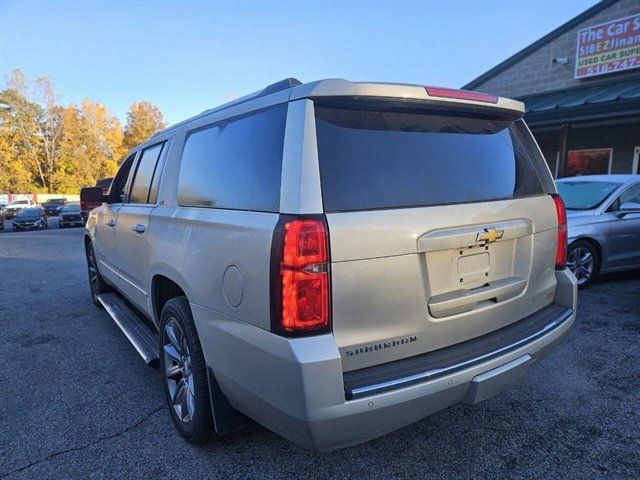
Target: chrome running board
[141,337]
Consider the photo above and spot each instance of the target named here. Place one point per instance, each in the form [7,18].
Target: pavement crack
[83,447]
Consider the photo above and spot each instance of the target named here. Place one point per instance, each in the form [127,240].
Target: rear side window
[375,160]
[235,164]
[145,174]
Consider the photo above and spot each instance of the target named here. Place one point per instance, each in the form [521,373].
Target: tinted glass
[116,191]
[144,174]
[157,174]
[71,207]
[373,160]
[585,195]
[235,164]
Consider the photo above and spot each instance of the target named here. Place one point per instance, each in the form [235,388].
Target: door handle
[111,223]
[138,228]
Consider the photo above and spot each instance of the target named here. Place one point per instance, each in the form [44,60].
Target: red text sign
[609,47]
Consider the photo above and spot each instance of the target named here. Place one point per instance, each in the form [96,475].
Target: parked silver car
[603,213]
[334,259]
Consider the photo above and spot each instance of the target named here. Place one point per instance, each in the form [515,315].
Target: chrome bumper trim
[399,382]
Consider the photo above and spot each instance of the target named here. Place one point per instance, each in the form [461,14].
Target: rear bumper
[296,388]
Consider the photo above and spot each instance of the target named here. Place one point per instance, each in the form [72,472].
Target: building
[581,89]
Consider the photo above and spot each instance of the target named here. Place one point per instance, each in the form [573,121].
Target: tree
[143,120]
[31,124]
[19,142]
[46,147]
[90,146]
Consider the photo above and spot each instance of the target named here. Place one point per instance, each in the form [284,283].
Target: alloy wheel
[581,262]
[178,372]
[93,271]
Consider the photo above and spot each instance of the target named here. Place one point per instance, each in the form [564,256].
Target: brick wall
[536,73]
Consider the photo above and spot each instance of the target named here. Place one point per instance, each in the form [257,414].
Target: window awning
[585,103]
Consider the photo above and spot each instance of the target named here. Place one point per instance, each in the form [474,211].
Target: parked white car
[11,210]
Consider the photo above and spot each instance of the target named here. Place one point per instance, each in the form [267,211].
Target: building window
[588,162]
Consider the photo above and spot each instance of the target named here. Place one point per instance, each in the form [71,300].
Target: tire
[184,372]
[584,261]
[97,285]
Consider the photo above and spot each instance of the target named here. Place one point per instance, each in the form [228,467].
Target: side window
[157,174]
[235,164]
[630,196]
[144,174]
[117,190]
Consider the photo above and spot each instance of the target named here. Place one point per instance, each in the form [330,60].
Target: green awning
[601,101]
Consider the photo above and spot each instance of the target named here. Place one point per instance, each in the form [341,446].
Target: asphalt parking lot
[78,402]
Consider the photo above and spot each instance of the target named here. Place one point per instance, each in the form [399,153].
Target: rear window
[235,164]
[375,160]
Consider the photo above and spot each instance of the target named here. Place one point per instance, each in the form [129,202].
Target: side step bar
[141,337]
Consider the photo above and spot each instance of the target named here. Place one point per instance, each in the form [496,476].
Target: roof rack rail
[274,87]
[281,85]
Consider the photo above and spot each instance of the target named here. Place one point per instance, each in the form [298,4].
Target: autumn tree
[90,146]
[143,120]
[18,141]
[31,119]
[46,147]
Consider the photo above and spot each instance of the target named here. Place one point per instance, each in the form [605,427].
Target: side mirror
[627,208]
[93,195]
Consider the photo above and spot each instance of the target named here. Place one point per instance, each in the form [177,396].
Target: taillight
[561,248]
[301,277]
[461,94]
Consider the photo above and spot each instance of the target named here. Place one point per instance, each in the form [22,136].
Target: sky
[188,56]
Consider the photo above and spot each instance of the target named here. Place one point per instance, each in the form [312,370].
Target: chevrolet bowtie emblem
[489,235]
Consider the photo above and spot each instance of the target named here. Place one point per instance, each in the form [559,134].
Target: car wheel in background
[583,260]
[185,373]
[96,283]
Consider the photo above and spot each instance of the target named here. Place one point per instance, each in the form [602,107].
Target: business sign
[609,47]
